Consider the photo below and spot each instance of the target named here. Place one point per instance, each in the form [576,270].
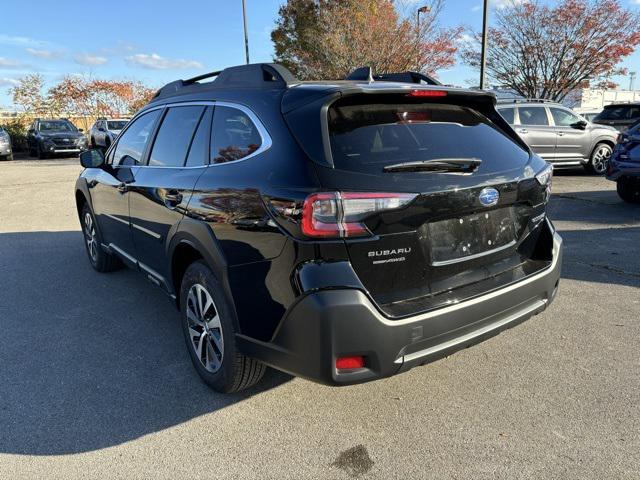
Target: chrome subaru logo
[489,197]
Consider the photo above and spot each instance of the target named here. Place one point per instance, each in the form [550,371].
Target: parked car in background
[56,136]
[559,135]
[624,166]
[6,153]
[104,131]
[620,116]
[587,114]
[339,231]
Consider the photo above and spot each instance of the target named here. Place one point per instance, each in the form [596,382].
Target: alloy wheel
[205,329]
[601,158]
[90,237]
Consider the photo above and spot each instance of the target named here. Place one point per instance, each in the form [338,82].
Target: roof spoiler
[256,75]
[366,74]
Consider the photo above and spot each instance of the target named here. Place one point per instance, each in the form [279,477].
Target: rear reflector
[428,93]
[349,363]
[341,214]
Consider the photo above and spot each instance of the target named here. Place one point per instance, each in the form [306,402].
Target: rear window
[367,137]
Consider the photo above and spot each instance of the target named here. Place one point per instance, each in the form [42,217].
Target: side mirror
[81,130]
[92,158]
[101,129]
[580,125]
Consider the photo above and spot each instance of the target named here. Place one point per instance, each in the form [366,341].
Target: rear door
[462,233]
[534,126]
[573,142]
[163,186]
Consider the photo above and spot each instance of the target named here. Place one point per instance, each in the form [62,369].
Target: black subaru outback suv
[340,231]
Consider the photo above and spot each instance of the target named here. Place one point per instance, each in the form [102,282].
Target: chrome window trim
[262,131]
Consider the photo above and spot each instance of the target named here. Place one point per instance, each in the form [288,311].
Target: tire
[107,144]
[599,161]
[93,142]
[628,189]
[210,335]
[39,153]
[32,151]
[100,260]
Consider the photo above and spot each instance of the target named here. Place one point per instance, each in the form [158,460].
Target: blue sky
[144,40]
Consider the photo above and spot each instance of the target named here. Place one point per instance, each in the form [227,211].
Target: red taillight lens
[349,363]
[428,93]
[340,214]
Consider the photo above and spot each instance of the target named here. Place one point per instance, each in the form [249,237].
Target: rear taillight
[341,214]
[350,363]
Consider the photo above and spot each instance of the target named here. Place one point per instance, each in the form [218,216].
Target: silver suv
[559,135]
[105,131]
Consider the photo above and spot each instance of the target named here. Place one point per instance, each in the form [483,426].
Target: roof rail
[256,75]
[366,74]
[526,100]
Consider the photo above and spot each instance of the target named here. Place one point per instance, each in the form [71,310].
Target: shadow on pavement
[593,207]
[89,360]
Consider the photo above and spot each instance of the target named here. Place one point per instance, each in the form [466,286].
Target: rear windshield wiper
[455,165]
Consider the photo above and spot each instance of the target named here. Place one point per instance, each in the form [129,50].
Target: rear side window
[132,143]
[508,114]
[174,137]
[533,116]
[233,136]
[367,137]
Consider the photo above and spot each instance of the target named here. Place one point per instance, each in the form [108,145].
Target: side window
[508,114]
[563,118]
[533,116]
[133,141]
[174,137]
[634,113]
[198,151]
[233,135]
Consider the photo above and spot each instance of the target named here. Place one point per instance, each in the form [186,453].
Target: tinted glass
[132,143]
[563,118]
[507,114]
[620,112]
[233,136]
[198,151]
[367,137]
[174,137]
[116,124]
[533,116]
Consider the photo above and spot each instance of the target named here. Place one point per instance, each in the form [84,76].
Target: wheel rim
[601,158]
[90,236]
[205,330]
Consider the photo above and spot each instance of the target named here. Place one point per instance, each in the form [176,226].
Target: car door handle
[172,199]
[523,130]
[123,187]
[561,134]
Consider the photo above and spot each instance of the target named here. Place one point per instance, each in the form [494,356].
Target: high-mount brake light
[427,93]
[341,214]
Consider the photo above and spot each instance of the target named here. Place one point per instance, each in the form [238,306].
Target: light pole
[424,9]
[483,54]
[246,35]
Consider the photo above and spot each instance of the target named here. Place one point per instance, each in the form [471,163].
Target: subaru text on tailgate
[340,231]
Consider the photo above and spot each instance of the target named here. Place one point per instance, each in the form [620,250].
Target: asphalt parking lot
[95,380]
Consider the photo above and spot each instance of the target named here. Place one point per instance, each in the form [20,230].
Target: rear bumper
[329,324]
[619,169]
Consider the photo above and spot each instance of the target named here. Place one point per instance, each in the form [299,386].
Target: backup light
[545,175]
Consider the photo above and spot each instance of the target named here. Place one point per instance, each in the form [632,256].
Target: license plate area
[471,236]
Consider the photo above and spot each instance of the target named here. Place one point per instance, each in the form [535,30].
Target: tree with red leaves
[327,39]
[546,51]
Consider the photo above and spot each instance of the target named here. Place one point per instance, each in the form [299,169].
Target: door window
[198,152]
[563,118]
[133,141]
[174,137]
[533,116]
[233,135]
[508,114]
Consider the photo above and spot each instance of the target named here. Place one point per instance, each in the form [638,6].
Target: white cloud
[89,59]
[8,82]
[21,41]
[505,3]
[157,62]
[43,53]
[6,63]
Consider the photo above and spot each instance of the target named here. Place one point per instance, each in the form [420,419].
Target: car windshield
[56,126]
[614,113]
[116,124]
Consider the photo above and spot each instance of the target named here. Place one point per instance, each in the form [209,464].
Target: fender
[83,187]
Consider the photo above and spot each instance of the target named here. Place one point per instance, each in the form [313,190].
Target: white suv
[105,131]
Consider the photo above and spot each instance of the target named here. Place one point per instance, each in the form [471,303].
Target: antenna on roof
[362,73]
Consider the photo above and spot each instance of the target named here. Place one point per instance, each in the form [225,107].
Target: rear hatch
[620,117]
[475,208]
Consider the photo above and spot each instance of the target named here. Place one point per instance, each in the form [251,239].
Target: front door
[110,191]
[535,128]
[162,188]
[573,143]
